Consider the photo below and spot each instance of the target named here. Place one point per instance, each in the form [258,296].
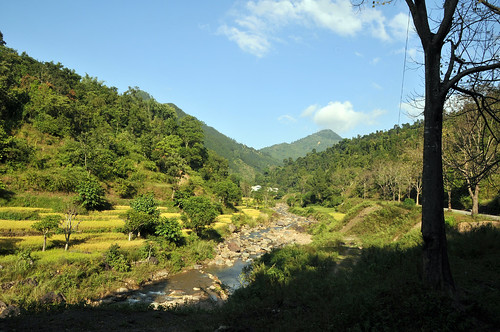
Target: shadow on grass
[8,245]
[62,243]
[301,289]
[210,234]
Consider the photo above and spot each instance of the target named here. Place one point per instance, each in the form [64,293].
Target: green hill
[319,141]
[243,160]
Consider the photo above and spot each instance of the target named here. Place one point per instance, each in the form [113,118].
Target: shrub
[116,259]
[126,188]
[169,229]
[409,203]
[199,212]
[91,195]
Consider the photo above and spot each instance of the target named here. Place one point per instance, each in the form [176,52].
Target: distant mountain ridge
[248,162]
[319,141]
[243,160]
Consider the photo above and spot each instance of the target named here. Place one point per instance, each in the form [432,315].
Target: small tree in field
[91,195]
[199,212]
[47,226]
[143,215]
[70,225]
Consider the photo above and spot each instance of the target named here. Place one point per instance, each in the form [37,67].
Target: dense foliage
[63,132]
[384,165]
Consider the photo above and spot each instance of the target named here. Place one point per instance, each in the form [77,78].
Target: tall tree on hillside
[460,47]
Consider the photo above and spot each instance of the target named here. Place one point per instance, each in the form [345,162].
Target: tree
[169,229]
[47,226]
[228,192]
[199,212]
[471,148]
[91,195]
[69,224]
[142,216]
[460,52]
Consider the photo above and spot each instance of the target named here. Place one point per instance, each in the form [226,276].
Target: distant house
[256,188]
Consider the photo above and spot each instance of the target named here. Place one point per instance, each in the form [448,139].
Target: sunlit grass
[15,224]
[224,218]
[86,225]
[20,209]
[170,214]
[337,215]
[253,213]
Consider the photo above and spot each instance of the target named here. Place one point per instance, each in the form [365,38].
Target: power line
[404,69]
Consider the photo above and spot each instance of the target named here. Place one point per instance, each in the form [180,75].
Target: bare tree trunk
[449,200]
[44,241]
[130,236]
[475,199]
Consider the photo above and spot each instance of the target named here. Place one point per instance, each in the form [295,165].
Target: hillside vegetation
[316,142]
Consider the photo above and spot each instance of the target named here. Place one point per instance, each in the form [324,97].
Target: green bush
[126,188]
[19,215]
[409,203]
[199,212]
[116,259]
[169,229]
[91,195]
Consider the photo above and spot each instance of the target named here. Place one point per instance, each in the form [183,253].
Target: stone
[233,246]
[231,228]
[153,260]
[52,298]
[9,311]
[122,290]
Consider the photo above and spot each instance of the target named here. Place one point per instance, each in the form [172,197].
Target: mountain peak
[319,141]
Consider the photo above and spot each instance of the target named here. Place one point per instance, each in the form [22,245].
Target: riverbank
[209,284]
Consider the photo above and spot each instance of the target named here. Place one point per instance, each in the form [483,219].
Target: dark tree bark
[441,76]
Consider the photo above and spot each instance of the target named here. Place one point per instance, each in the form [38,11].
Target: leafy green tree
[47,227]
[227,191]
[143,215]
[169,229]
[146,203]
[199,212]
[91,195]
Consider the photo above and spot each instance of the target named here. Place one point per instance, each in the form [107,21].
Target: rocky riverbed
[250,243]
[202,285]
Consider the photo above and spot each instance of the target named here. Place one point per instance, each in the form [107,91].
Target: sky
[261,72]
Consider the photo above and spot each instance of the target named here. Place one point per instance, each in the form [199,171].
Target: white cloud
[287,119]
[399,26]
[259,22]
[252,43]
[374,61]
[309,110]
[340,117]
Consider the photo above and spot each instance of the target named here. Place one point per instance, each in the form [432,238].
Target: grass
[379,288]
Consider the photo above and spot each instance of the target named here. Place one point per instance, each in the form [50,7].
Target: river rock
[52,298]
[233,246]
[9,311]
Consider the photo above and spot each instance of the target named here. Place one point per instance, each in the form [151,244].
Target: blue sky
[260,72]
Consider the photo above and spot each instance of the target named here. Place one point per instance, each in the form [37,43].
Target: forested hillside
[388,165]
[319,141]
[57,129]
[243,160]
